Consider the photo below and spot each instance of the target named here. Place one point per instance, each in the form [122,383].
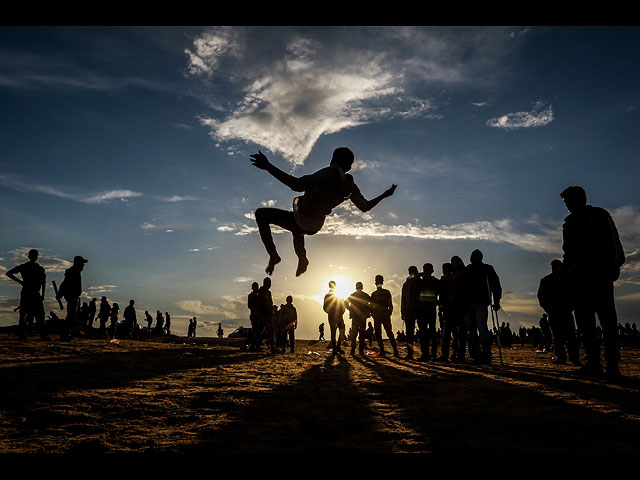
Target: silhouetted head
[332,285]
[33,255]
[255,286]
[413,271]
[103,299]
[379,280]
[146,312]
[457,263]
[446,268]
[574,198]
[94,299]
[343,157]
[556,265]
[427,269]
[132,302]
[266,283]
[359,286]
[289,299]
[476,256]
[79,262]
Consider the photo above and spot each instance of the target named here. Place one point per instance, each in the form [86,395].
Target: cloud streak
[17,184]
[540,115]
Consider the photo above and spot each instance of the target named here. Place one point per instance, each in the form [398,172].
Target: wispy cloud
[177,198]
[210,47]
[318,85]
[541,114]
[15,183]
[51,264]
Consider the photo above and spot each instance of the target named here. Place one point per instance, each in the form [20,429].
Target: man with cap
[71,289]
[34,282]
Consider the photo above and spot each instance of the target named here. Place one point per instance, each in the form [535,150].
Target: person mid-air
[323,191]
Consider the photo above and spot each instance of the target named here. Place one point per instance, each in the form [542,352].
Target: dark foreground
[209,397]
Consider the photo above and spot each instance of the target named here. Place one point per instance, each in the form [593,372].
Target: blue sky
[130,146]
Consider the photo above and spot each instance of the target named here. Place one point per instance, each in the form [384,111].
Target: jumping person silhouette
[323,191]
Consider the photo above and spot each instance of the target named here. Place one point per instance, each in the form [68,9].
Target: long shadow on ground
[467,409]
[322,410]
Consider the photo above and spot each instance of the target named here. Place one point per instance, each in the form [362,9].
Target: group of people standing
[268,323]
[460,298]
[31,308]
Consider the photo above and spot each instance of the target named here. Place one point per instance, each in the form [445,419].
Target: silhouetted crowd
[80,316]
[270,324]
[579,288]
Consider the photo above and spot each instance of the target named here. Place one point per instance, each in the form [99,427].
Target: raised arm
[365,205]
[260,161]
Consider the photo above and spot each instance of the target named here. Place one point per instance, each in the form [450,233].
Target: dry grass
[95,396]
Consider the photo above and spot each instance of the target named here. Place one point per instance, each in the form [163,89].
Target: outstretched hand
[259,160]
[389,192]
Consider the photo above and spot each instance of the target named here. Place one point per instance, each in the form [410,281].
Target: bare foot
[303,263]
[273,261]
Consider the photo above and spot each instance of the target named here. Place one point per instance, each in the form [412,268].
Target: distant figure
[547,335]
[167,323]
[254,314]
[427,303]
[593,255]
[130,320]
[334,307]
[103,315]
[34,283]
[190,328]
[370,333]
[289,322]
[115,309]
[92,311]
[159,323]
[479,282]
[321,332]
[381,310]
[554,299]
[71,289]
[195,326]
[409,307]
[323,191]
[148,318]
[220,331]
[359,306]
[84,315]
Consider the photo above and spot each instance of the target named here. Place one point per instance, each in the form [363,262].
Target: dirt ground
[95,396]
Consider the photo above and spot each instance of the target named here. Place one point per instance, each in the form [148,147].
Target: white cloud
[243,279]
[15,183]
[312,89]
[210,47]
[540,115]
[51,264]
[177,198]
[268,203]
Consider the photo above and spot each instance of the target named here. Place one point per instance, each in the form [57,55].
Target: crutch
[493,321]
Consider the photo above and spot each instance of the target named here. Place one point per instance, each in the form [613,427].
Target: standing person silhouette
[381,309]
[34,282]
[334,307]
[323,191]
[71,289]
[593,255]
[359,306]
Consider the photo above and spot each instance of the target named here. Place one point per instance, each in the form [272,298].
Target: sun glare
[344,286]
